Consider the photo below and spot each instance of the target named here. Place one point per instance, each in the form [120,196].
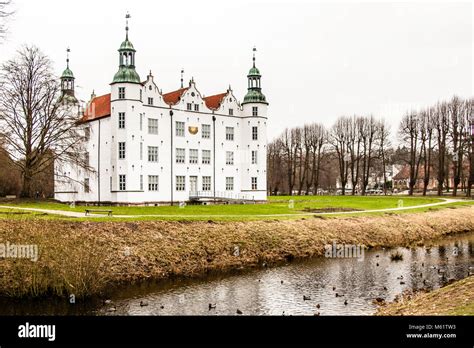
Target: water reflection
[339,286]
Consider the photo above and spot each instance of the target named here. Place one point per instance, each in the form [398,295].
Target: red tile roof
[97,108]
[214,101]
[173,98]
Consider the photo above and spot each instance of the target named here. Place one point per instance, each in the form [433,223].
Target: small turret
[127,72]
[67,81]
[254,93]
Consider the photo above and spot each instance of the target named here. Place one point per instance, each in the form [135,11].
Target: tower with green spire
[126,72]
[67,81]
[254,93]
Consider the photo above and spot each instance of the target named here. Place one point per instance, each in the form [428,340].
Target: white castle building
[146,147]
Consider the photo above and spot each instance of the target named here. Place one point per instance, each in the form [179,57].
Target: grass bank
[454,299]
[279,207]
[85,257]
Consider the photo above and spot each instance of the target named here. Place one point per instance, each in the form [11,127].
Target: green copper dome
[254,72]
[126,46]
[254,96]
[67,74]
[126,74]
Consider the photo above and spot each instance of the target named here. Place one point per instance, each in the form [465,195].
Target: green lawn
[279,205]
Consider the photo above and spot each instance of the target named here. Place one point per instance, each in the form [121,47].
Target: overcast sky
[319,60]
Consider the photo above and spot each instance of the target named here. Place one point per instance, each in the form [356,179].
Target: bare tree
[426,130]
[368,133]
[383,139]
[317,137]
[470,144]
[441,124]
[4,14]
[37,124]
[303,158]
[410,134]
[340,138]
[457,109]
[276,165]
[291,139]
[353,148]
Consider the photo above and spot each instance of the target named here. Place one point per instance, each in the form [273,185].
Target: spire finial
[67,56]
[254,50]
[182,77]
[127,17]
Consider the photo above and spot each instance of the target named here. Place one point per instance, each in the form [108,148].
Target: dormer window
[189,106]
[196,107]
[150,101]
[231,112]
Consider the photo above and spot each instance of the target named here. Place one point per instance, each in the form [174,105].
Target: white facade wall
[104,157]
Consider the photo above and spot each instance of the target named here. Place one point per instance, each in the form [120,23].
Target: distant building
[145,146]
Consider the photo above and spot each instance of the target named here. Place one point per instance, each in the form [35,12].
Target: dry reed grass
[84,258]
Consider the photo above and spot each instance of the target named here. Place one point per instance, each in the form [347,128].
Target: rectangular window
[152,126]
[231,112]
[206,131]
[180,183]
[141,182]
[141,151]
[141,122]
[179,129]
[86,185]
[206,183]
[121,120]
[150,101]
[229,133]
[121,92]
[206,156]
[110,183]
[152,153]
[254,110]
[229,183]
[87,159]
[121,148]
[254,183]
[254,157]
[254,133]
[122,182]
[189,106]
[193,156]
[141,95]
[229,158]
[152,182]
[196,107]
[180,155]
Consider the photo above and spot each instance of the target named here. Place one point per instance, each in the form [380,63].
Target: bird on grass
[345,302]
[212,306]
[143,303]
[306,298]
[239,311]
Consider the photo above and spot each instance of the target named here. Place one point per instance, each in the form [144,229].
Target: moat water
[296,288]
